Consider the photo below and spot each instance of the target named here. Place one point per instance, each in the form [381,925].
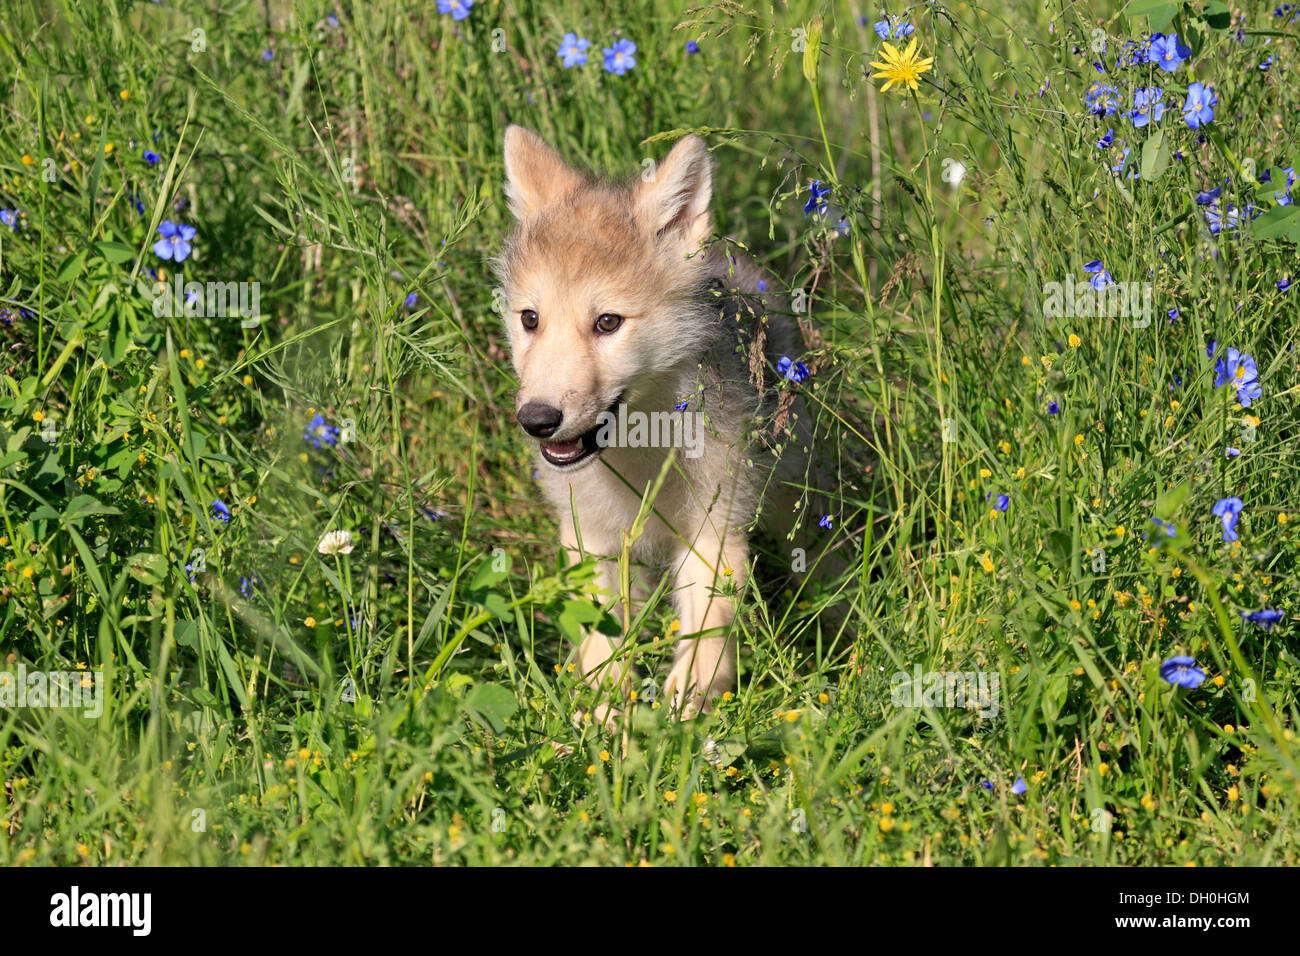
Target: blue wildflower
[150,157]
[1100,277]
[1102,99]
[817,194]
[1240,371]
[1019,786]
[1168,528]
[1182,672]
[1198,108]
[220,511]
[1227,511]
[824,522]
[318,433]
[459,9]
[1003,503]
[1265,618]
[794,371]
[175,242]
[619,58]
[893,27]
[1166,52]
[1148,106]
[573,50]
[692,47]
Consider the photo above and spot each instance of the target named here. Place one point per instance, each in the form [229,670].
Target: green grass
[413,701]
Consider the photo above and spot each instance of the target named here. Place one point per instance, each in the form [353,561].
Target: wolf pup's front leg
[704,667]
[598,659]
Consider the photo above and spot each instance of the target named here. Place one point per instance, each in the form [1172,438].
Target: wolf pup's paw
[687,700]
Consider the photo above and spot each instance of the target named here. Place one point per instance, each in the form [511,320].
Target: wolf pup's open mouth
[567,454]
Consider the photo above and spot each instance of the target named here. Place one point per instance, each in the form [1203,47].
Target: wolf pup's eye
[529,318]
[609,322]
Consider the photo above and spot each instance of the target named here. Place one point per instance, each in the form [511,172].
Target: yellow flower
[310,622]
[987,562]
[1075,341]
[125,94]
[670,796]
[900,69]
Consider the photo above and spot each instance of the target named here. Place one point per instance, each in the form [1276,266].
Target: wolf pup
[631,338]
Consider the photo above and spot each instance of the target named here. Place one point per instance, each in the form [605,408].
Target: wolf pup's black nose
[539,420]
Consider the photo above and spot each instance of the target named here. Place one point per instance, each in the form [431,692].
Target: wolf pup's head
[601,285]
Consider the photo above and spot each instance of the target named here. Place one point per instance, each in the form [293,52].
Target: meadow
[282,525]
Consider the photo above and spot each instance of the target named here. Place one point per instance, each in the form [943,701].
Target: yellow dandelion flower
[900,69]
[1075,341]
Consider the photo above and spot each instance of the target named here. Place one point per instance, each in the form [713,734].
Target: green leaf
[206,698]
[492,705]
[150,568]
[1159,13]
[71,267]
[495,603]
[83,505]
[1217,15]
[113,252]
[1155,155]
[1168,503]
[487,577]
[727,751]
[1281,222]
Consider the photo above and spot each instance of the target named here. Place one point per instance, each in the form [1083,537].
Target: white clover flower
[336,542]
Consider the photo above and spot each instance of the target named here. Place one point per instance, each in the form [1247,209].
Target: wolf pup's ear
[674,201]
[535,173]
